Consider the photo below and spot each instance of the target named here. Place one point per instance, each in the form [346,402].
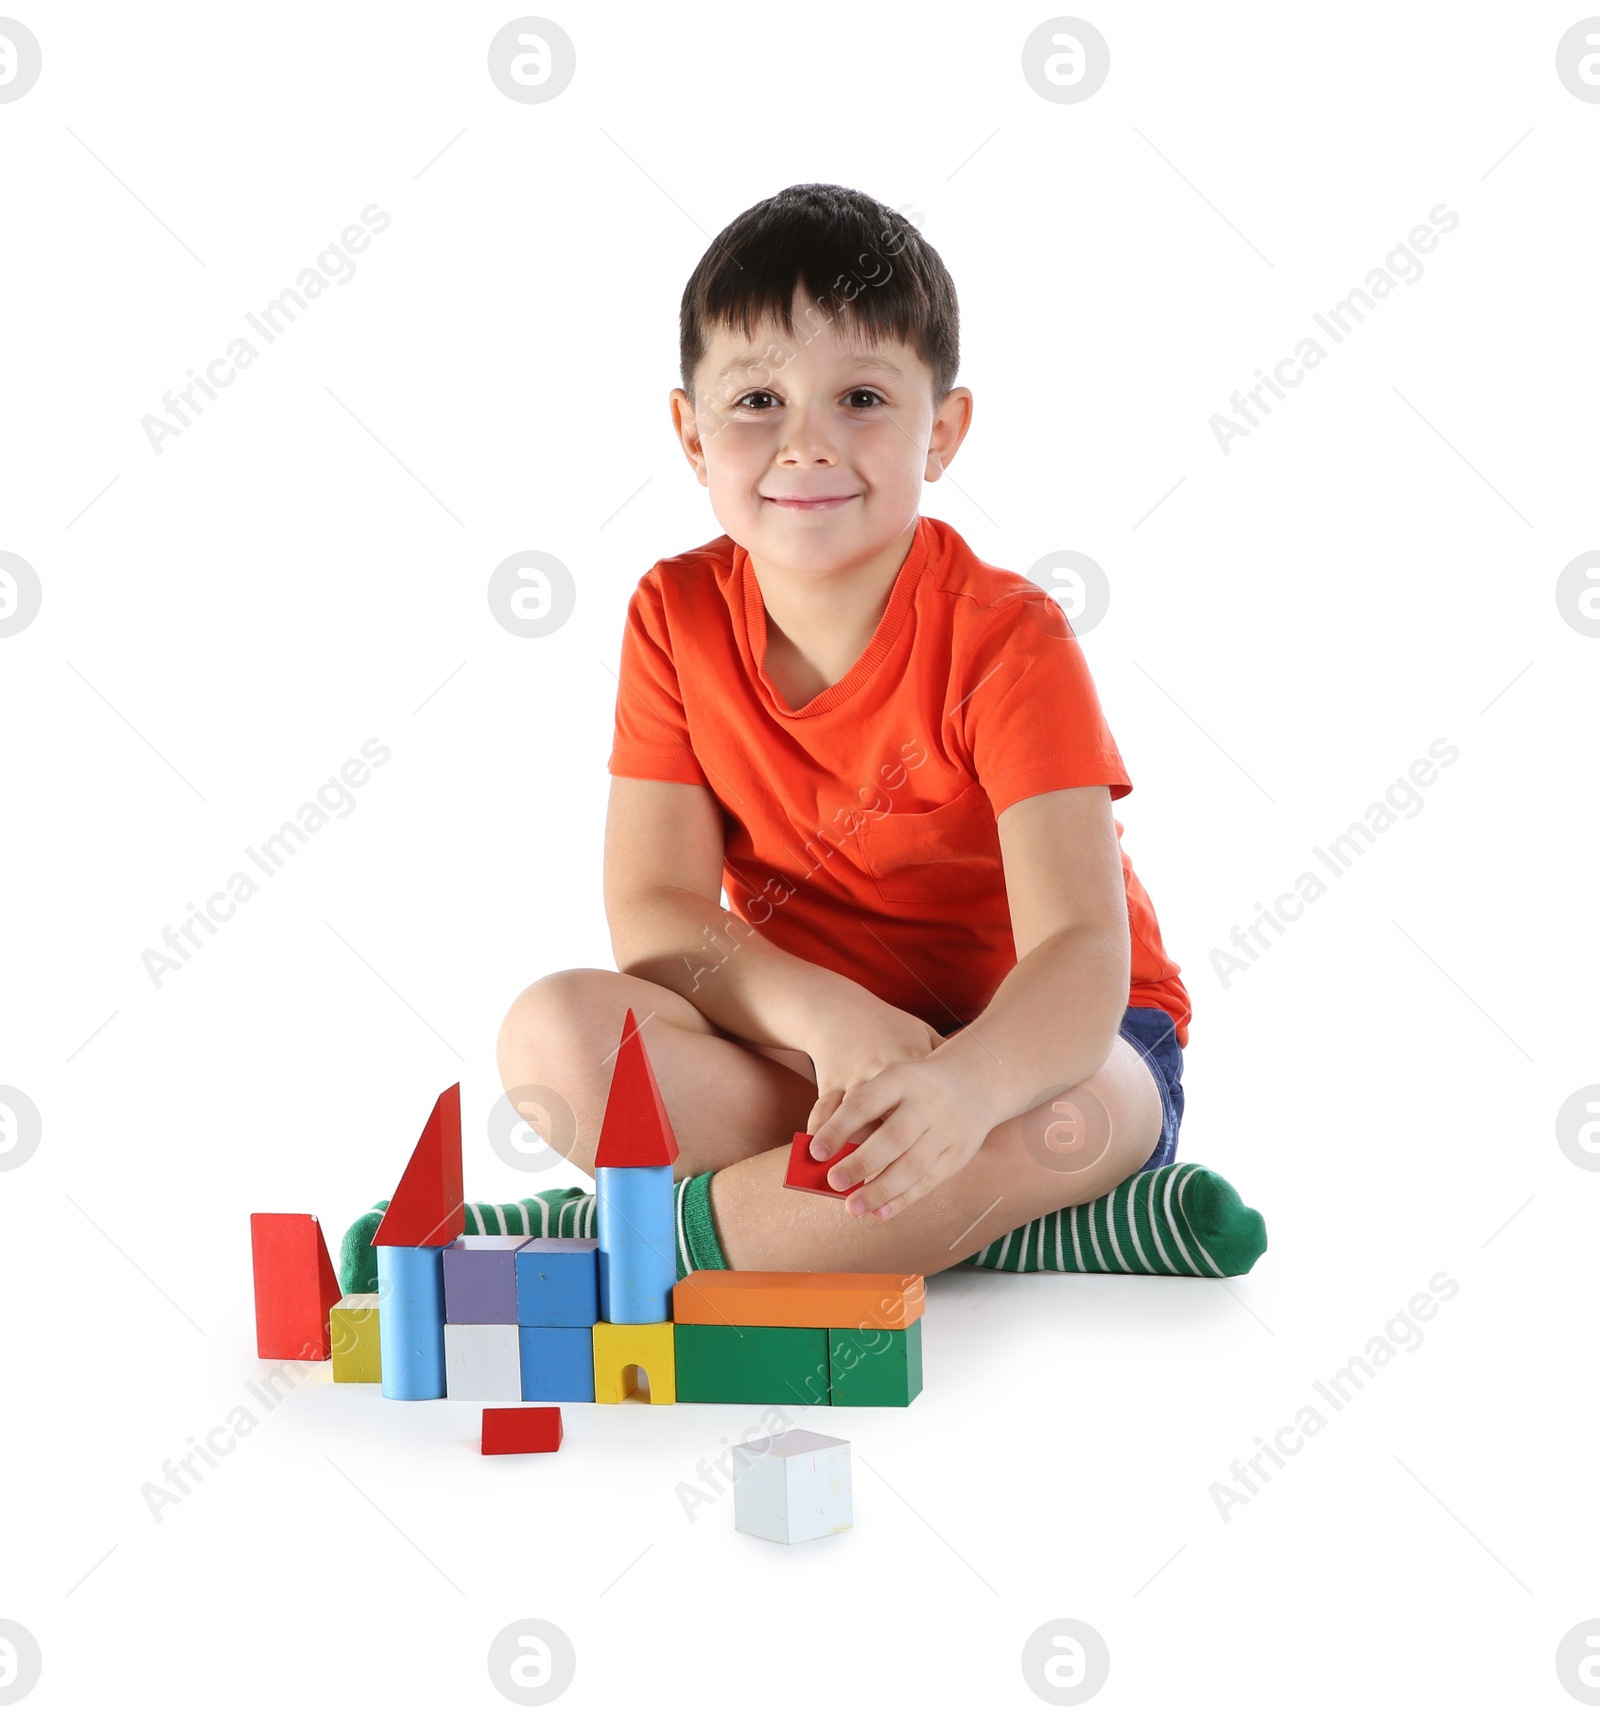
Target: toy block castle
[520,1318]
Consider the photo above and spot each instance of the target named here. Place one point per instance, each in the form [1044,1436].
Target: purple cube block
[480,1278]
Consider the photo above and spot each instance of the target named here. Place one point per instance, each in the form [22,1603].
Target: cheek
[890,457]
[736,459]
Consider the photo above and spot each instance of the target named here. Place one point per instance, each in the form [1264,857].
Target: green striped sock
[1181,1220]
[698,1245]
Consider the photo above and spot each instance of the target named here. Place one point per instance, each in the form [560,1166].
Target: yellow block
[650,1346]
[353,1336]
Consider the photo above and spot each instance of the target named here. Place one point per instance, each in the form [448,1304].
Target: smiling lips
[811,502]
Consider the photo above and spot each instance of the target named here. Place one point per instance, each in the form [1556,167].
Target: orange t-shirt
[859,831]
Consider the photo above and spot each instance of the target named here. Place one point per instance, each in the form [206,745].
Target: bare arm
[663,884]
[1054,1018]
[1049,1025]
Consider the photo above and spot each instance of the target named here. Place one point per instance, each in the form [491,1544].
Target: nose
[808,436]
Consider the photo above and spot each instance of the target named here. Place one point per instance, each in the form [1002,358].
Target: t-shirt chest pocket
[945,853]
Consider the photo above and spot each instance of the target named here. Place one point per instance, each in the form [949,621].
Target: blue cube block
[557,1363]
[557,1283]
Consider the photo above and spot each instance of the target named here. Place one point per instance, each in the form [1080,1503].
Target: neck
[835,604]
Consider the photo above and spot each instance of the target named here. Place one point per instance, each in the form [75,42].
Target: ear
[950,425]
[686,427]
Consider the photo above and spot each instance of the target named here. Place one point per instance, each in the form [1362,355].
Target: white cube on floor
[792,1487]
[482,1363]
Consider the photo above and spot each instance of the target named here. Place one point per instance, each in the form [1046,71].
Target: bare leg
[725,1100]
[764,1226]
[728,1103]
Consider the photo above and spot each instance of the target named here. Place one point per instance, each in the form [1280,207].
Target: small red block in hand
[807,1174]
[521,1431]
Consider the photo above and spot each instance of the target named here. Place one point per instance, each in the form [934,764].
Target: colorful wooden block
[480,1278]
[558,1285]
[633,1191]
[482,1363]
[717,1363]
[295,1287]
[807,1174]
[353,1336]
[875,1368]
[426,1207]
[792,1487]
[638,1244]
[411,1321]
[520,1431]
[620,1348]
[798,1299]
[557,1363]
[634,1131]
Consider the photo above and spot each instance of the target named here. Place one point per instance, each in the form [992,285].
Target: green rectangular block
[721,1363]
[875,1368]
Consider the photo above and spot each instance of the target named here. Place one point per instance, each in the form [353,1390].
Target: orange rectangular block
[798,1299]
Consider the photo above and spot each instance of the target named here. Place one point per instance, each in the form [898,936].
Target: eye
[876,399]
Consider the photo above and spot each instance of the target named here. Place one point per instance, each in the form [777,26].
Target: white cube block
[792,1487]
[482,1363]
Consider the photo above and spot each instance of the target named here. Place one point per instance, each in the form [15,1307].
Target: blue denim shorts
[1154,1034]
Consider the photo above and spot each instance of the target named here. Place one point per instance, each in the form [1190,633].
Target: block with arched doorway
[635,1357]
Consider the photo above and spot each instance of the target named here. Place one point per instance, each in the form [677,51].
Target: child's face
[816,416]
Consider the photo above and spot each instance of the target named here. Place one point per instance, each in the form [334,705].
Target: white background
[1373,568]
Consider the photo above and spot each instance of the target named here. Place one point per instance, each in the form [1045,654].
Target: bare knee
[593,1006]
[555,1009]
[1090,1138]
[558,1043]
[553,1053]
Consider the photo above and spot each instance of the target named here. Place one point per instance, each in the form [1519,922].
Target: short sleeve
[1034,722]
[651,739]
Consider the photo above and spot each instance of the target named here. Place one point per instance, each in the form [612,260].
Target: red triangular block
[636,1132]
[295,1287]
[426,1207]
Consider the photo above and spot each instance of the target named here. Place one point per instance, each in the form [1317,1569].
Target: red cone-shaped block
[426,1207]
[636,1132]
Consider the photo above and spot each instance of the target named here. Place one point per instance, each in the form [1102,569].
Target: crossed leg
[735,1109]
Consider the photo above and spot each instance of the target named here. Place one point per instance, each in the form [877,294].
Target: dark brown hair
[855,258]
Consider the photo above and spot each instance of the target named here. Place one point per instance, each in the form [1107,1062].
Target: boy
[891,756]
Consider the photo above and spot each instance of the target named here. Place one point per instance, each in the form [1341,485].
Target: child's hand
[853,1047]
[931,1119]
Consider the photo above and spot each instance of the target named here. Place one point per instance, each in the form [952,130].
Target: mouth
[812,503]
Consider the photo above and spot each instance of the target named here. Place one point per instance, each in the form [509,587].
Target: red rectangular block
[295,1287]
[521,1431]
[807,1174]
